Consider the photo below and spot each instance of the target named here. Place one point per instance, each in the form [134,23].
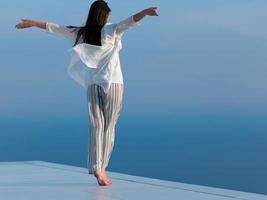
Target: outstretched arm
[53,28]
[27,23]
[134,20]
[149,11]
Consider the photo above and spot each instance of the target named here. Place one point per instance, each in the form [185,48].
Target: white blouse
[91,63]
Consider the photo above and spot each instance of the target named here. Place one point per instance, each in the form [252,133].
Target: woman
[97,45]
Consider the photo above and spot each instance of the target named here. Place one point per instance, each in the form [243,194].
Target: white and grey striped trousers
[103,110]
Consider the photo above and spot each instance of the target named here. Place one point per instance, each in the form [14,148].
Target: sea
[226,150]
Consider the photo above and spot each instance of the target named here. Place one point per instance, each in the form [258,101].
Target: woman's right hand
[25,23]
[151,11]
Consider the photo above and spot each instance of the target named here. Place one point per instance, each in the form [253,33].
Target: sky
[196,56]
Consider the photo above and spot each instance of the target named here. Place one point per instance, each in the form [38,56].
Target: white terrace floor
[38,180]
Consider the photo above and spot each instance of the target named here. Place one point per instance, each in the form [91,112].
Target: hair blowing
[91,32]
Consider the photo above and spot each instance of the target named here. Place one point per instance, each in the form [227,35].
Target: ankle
[98,173]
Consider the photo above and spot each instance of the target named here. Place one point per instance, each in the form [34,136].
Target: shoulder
[109,28]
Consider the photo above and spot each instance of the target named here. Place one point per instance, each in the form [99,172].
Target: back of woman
[95,65]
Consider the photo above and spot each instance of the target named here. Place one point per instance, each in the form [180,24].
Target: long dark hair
[91,31]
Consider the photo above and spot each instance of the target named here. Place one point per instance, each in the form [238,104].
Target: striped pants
[103,110]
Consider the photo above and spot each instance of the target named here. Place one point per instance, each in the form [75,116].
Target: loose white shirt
[91,63]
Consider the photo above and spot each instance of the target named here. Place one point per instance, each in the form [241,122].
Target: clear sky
[196,56]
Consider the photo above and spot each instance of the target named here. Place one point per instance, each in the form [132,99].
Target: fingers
[20,25]
[17,25]
[153,11]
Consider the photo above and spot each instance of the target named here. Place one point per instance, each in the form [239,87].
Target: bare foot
[101,178]
[109,181]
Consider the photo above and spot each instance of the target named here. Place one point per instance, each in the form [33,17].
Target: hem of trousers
[92,169]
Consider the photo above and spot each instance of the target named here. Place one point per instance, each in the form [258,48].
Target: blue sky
[197,56]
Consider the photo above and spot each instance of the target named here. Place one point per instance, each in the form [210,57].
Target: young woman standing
[97,45]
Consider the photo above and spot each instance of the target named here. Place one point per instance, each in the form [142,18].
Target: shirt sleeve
[61,30]
[125,24]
